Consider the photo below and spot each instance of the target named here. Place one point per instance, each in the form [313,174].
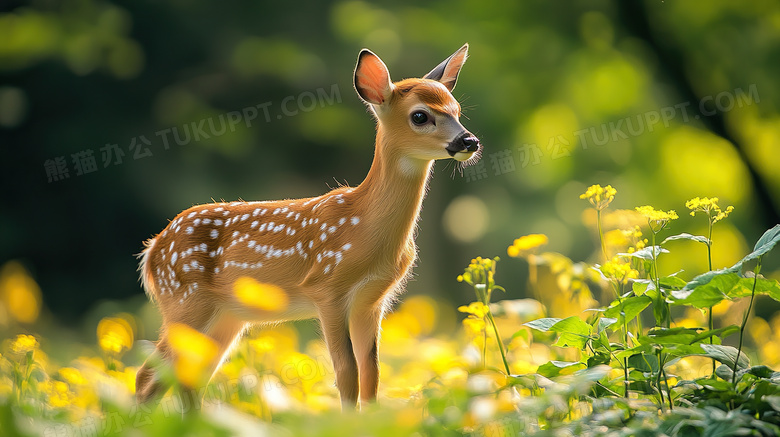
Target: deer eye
[419,118]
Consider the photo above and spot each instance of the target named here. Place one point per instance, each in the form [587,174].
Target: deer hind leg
[336,332]
[364,330]
[200,315]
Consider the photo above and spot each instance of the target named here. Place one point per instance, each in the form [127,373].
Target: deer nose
[466,142]
[471,143]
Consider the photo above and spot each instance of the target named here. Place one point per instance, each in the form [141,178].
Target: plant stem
[657,279]
[709,263]
[756,271]
[658,381]
[625,338]
[601,236]
[668,390]
[498,340]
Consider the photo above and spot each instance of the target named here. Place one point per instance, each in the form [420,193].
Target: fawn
[341,257]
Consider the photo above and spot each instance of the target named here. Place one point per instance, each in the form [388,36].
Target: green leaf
[631,307]
[638,349]
[598,359]
[543,325]
[641,286]
[682,350]
[708,293]
[573,325]
[720,332]
[605,322]
[726,355]
[744,287]
[686,236]
[672,282]
[763,245]
[574,332]
[644,362]
[670,336]
[555,368]
[647,253]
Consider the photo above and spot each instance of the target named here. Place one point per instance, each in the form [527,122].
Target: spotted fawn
[341,257]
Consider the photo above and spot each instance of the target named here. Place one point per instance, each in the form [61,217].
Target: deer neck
[392,193]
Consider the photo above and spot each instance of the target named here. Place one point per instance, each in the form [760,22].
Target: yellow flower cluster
[709,206]
[24,343]
[477,269]
[477,309]
[526,244]
[57,393]
[657,219]
[619,270]
[598,196]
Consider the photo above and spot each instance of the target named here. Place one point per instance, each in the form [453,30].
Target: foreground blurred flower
[115,335]
[619,270]
[598,196]
[19,292]
[23,344]
[58,393]
[477,309]
[259,295]
[526,244]
[194,354]
[657,219]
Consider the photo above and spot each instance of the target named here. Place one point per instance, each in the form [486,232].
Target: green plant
[612,337]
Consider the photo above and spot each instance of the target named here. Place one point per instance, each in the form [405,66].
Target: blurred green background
[663,100]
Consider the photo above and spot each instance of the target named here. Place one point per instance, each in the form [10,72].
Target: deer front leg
[336,332]
[364,329]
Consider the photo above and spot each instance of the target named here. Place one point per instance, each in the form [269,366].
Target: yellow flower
[709,206]
[259,295]
[24,343]
[478,269]
[477,309]
[19,292]
[473,325]
[58,393]
[598,196]
[526,244]
[115,335]
[73,376]
[195,354]
[657,219]
[619,270]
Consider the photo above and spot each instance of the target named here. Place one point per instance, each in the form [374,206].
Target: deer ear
[447,71]
[372,80]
